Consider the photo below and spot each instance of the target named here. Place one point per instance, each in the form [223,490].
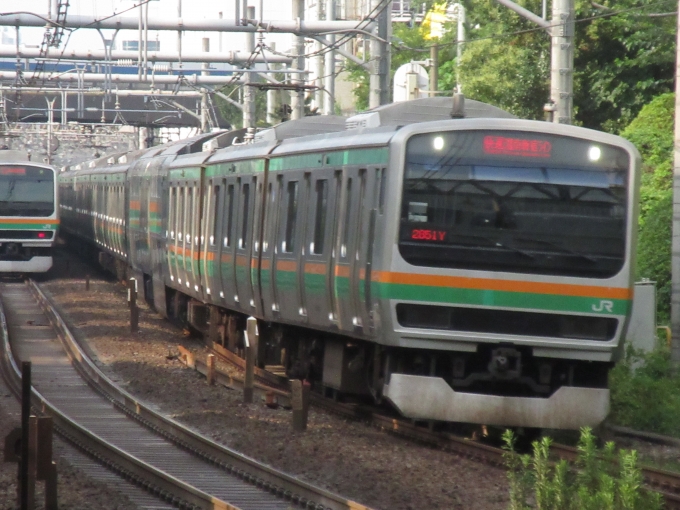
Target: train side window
[180,212]
[291,216]
[230,215]
[217,195]
[243,240]
[381,187]
[320,217]
[348,215]
[171,215]
[269,217]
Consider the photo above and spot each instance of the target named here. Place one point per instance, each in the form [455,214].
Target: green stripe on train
[338,158]
[493,298]
[235,167]
[27,226]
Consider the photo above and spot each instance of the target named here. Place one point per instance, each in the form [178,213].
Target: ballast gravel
[350,458]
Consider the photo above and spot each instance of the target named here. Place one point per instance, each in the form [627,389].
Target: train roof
[427,109]
[303,127]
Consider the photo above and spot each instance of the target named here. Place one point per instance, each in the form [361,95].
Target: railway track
[667,483]
[176,464]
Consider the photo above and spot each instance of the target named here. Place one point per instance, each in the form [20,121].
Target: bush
[645,392]
[600,480]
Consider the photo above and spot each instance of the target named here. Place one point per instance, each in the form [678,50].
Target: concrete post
[204,93]
[273,98]
[210,364]
[562,58]
[248,91]
[299,395]
[379,92]
[329,81]
[297,97]
[675,244]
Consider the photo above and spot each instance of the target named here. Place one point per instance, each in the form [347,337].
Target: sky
[164,9]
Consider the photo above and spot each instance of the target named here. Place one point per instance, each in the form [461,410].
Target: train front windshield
[514,201]
[26,190]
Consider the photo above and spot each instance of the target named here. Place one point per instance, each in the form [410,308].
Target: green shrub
[600,479]
[645,392]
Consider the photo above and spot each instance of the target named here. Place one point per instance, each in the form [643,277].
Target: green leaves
[599,480]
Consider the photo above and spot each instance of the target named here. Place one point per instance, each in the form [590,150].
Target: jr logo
[605,305]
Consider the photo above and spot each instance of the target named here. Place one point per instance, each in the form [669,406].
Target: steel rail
[131,468]
[261,475]
[667,483]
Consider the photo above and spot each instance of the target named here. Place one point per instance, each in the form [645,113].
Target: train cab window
[243,240]
[230,215]
[291,217]
[320,216]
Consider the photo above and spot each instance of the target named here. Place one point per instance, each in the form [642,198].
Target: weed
[599,480]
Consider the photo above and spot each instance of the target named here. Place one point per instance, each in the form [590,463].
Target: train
[28,214]
[440,254]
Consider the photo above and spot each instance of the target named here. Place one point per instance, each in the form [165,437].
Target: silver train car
[28,214]
[471,269]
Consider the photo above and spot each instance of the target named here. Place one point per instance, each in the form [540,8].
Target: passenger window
[217,196]
[230,215]
[348,215]
[243,241]
[320,216]
[291,216]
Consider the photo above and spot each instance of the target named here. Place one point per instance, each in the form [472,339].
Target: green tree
[233,114]
[652,133]
[624,57]
[622,61]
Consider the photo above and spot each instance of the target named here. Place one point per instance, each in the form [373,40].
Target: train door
[210,241]
[351,249]
[272,224]
[244,243]
[260,183]
[176,222]
[288,274]
[318,247]
[193,245]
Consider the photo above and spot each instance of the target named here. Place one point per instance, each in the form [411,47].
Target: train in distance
[460,263]
[28,214]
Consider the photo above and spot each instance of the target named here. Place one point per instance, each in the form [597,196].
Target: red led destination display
[423,234]
[526,148]
[12,170]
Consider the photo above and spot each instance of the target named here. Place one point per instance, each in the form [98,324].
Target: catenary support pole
[675,243]
[248,91]
[329,81]
[297,97]
[379,92]
[562,61]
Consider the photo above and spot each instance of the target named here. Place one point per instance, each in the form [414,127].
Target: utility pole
[248,91]
[561,30]
[379,81]
[329,82]
[204,93]
[562,61]
[297,96]
[675,243]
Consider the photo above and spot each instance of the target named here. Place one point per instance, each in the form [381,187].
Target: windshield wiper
[561,248]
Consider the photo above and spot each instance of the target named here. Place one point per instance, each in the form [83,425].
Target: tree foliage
[652,133]
[624,57]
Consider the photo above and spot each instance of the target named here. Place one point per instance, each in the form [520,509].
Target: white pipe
[229,57]
[207,25]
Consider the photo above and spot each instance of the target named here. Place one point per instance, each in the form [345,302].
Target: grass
[645,392]
[600,479]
